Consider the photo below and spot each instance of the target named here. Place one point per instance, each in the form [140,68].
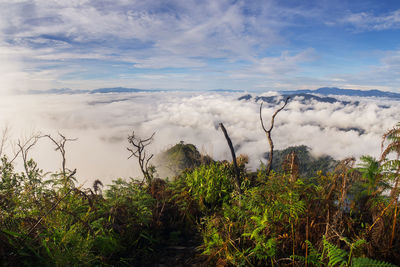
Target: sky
[199,45]
[184,48]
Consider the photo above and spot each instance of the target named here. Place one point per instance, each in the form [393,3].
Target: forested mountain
[347,92]
[301,97]
[179,158]
[308,165]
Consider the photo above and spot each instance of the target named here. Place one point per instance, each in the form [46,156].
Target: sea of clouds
[102,122]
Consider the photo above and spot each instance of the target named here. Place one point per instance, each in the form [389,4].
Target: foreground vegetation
[345,217]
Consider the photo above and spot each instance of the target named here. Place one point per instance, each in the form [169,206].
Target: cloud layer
[102,122]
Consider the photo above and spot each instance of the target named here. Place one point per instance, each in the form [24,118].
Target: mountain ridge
[346,92]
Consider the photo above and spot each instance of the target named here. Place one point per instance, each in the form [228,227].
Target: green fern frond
[314,256]
[370,262]
[336,256]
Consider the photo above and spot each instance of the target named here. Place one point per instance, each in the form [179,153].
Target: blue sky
[209,44]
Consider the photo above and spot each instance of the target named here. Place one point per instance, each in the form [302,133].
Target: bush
[210,185]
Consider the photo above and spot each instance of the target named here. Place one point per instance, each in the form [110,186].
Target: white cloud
[384,76]
[219,43]
[147,34]
[284,64]
[102,123]
[18,75]
[168,62]
[208,29]
[365,21]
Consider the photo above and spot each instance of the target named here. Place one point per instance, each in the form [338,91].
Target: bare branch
[4,139]
[137,151]
[60,146]
[268,133]
[23,150]
[237,171]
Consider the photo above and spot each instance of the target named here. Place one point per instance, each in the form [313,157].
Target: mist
[102,122]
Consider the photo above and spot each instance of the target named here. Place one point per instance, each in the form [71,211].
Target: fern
[336,256]
[370,262]
[313,258]
[340,257]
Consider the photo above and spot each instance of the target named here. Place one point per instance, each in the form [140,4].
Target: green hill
[308,164]
[178,158]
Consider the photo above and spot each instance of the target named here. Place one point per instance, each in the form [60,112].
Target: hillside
[308,164]
[178,158]
[346,92]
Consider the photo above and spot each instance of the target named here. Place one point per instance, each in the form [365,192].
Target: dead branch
[138,151]
[60,146]
[24,148]
[268,133]
[237,171]
[4,139]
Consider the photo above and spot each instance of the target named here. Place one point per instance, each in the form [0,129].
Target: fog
[102,122]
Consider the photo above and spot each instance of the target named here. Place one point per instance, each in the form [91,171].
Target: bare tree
[4,139]
[237,171]
[268,133]
[60,146]
[23,149]
[138,151]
